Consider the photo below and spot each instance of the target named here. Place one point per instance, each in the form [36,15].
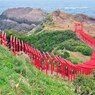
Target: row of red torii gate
[54,64]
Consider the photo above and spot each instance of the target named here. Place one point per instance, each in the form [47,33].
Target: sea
[51,5]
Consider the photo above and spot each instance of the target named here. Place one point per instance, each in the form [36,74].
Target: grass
[19,77]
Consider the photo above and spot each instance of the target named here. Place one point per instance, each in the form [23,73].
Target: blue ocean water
[71,6]
[82,10]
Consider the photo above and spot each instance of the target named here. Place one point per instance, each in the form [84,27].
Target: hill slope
[59,20]
[18,77]
[60,43]
[21,18]
[25,19]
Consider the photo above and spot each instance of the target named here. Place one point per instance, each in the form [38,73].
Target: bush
[84,85]
[70,44]
[75,60]
[84,50]
[76,45]
[48,40]
[63,54]
[49,17]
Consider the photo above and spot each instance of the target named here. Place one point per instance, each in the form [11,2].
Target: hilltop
[59,20]
[21,18]
[25,19]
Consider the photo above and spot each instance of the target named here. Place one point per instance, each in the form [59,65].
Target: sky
[48,5]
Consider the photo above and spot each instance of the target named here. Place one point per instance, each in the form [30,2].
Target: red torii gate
[87,66]
[54,63]
[83,35]
[78,27]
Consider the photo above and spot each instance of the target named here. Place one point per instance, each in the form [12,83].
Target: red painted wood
[53,63]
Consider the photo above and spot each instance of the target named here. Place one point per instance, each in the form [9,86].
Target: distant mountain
[21,18]
[62,16]
[84,18]
[25,19]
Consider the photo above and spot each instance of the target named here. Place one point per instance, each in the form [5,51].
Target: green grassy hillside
[19,77]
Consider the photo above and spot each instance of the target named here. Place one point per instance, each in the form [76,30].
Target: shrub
[70,44]
[47,41]
[49,17]
[75,45]
[65,54]
[84,85]
[84,50]
[75,60]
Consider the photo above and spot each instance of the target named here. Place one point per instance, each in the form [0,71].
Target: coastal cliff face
[21,18]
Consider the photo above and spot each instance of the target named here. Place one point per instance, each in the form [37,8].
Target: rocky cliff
[21,18]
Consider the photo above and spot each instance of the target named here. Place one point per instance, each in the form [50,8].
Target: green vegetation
[19,77]
[85,85]
[76,45]
[48,41]
[56,41]
[62,53]
[49,17]
[84,50]
[49,21]
[75,60]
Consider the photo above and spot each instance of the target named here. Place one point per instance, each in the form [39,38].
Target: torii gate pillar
[78,27]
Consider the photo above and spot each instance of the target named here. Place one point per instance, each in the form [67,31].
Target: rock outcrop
[21,18]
